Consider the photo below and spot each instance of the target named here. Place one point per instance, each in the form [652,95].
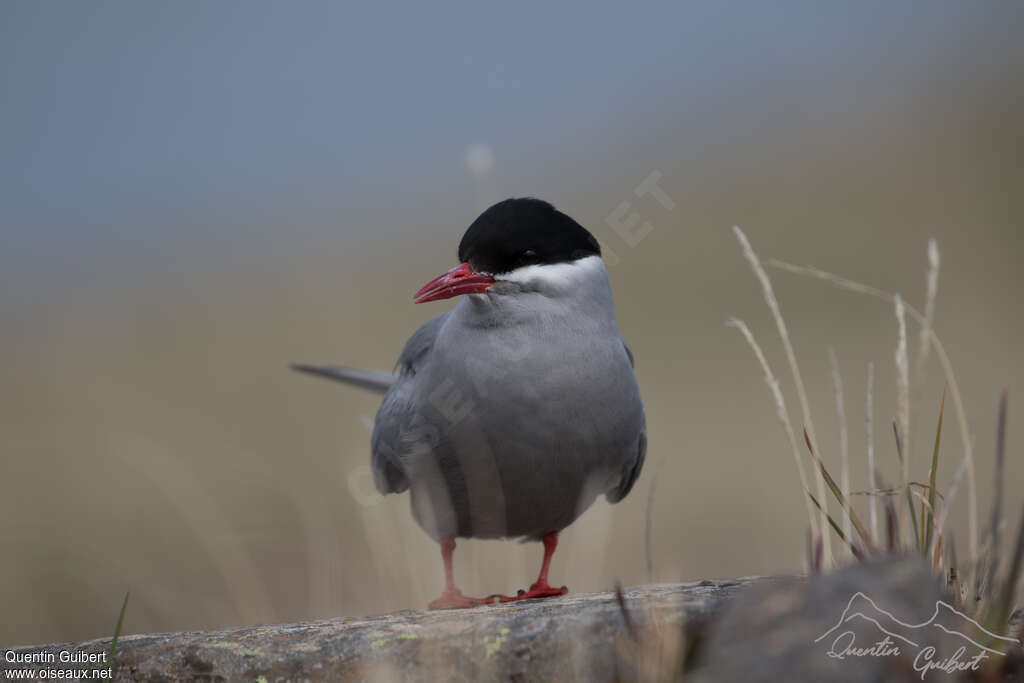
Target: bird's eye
[527,257]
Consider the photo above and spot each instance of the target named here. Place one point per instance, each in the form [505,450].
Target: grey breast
[508,434]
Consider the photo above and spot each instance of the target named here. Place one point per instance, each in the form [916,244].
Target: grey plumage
[510,414]
[517,448]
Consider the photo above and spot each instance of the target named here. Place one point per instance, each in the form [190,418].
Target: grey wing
[397,414]
[633,465]
[419,344]
[628,353]
[630,471]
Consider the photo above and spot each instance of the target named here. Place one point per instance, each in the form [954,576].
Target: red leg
[541,589]
[452,597]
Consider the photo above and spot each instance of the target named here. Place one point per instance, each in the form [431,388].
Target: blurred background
[196,194]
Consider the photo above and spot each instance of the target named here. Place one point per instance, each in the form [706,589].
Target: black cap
[522,232]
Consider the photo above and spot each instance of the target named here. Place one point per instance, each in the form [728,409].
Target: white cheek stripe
[554,274]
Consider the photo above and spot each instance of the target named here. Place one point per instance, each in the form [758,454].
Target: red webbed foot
[537,590]
[454,599]
[542,589]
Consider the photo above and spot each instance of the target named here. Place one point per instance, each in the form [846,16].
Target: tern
[508,415]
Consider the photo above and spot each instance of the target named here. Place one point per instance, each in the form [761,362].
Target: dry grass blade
[780,323]
[967,462]
[893,530]
[895,492]
[869,420]
[844,439]
[903,386]
[954,486]
[931,478]
[899,443]
[906,486]
[851,513]
[913,516]
[783,415]
[996,515]
[931,290]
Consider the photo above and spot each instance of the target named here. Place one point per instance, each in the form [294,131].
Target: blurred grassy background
[195,195]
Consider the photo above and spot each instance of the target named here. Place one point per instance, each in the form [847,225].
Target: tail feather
[372,380]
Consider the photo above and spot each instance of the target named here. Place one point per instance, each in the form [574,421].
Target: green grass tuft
[117,631]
